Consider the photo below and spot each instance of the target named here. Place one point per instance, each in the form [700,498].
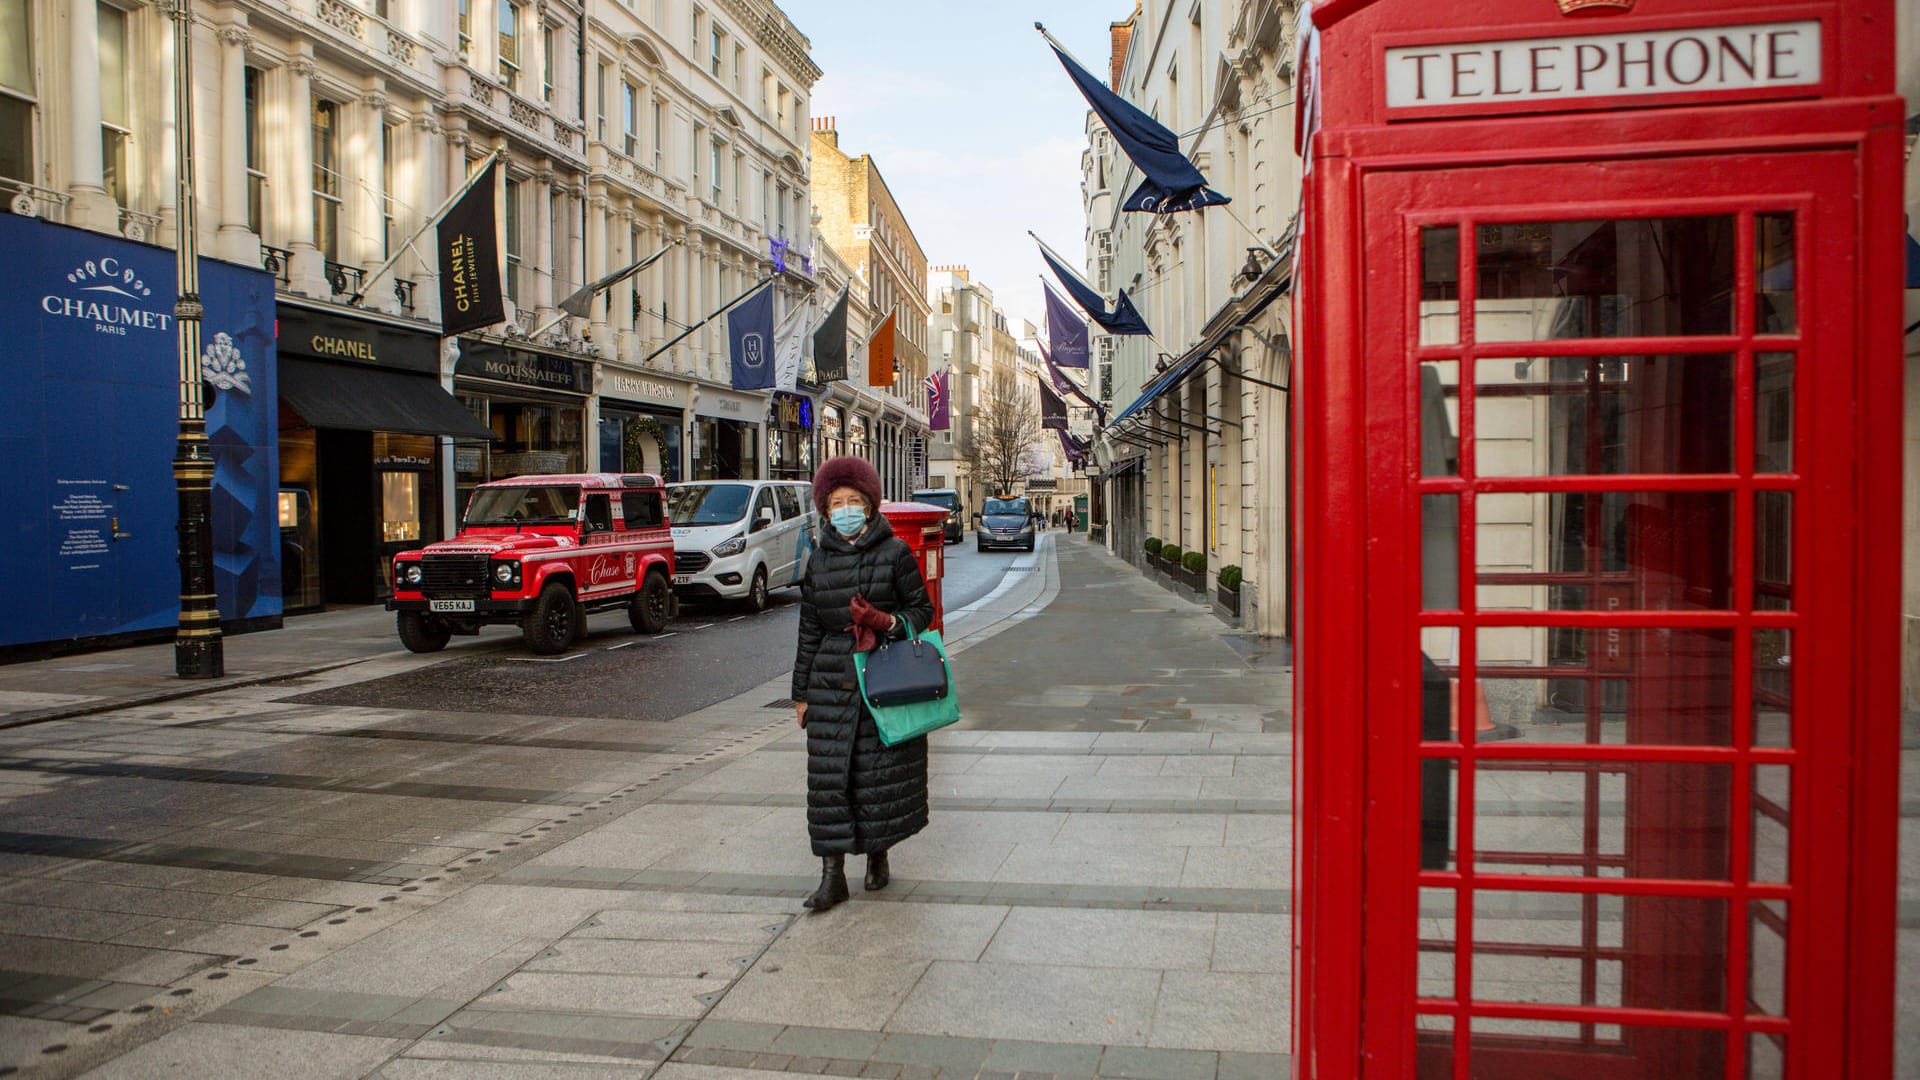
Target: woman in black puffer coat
[863,796]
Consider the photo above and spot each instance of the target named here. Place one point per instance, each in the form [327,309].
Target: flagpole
[609,282]
[716,314]
[472,179]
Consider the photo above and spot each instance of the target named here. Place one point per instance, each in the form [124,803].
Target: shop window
[399,507]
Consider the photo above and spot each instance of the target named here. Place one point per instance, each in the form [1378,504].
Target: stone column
[542,254]
[91,208]
[620,296]
[236,240]
[597,263]
[309,265]
[362,192]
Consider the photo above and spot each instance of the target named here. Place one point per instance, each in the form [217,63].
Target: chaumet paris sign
[1703,60]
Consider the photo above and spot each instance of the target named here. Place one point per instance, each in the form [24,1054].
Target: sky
[971,120]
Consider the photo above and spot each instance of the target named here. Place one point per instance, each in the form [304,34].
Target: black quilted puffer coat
[862,795]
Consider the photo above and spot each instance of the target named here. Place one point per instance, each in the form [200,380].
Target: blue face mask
[848,520]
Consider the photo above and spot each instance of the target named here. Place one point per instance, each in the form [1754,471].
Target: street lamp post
[197,650]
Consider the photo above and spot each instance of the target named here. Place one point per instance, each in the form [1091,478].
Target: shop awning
[360,398]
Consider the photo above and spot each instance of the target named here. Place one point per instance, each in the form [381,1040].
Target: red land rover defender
[540,552]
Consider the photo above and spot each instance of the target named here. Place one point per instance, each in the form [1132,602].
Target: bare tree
[1006,434]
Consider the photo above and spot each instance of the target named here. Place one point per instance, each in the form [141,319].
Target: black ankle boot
[833,883]
[877,876]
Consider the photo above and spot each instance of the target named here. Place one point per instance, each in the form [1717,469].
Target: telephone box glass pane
[1440,418]
[1440,285]
[1773,413]
[1772,687]
[1773,551]
[1570,948]
[1772,822]
[1626,277]
[1614,687]
[1766,1056]
[1570,819]
[1773,274]
[1440,552]
[1604,551]
[1603,415]
[1438,941]
[1433,1047]
[1767,957]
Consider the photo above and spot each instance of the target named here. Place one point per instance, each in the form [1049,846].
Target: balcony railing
[278,262]
[29,201]
[375,36]
[403,292]
[344,280]
[139,227]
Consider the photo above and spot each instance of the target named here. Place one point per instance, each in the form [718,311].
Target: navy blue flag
[1172,183]
[1066,334]
[1123,319]
[750,341]
[1053,410]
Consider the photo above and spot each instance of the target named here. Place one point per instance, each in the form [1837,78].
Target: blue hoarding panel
[90,415]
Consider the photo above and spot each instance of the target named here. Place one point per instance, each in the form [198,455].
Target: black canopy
[361,398]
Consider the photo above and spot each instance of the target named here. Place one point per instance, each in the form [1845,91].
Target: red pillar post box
[1599,398]
[922,526]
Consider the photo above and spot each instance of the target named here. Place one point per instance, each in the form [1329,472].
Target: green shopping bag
[900,723]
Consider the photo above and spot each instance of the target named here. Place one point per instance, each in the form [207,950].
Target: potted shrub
[1229,589]
[1152,546]
[1193,565]
[1169,560]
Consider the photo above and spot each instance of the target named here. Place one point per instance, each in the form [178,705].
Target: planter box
[1194,579]
[1229,599]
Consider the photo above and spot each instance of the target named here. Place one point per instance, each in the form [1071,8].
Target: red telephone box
[1600,406]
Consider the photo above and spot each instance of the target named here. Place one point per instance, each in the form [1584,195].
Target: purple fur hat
[840,472]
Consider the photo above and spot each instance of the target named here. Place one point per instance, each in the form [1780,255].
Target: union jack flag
[937,401]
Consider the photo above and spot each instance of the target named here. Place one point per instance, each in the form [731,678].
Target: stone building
[329,132]
[860,218]
[1196,453]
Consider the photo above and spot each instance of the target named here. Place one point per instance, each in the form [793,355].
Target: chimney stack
[1121,34]
[824,126]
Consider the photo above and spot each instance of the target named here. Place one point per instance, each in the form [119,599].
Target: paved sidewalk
[1102,892]
[85,683]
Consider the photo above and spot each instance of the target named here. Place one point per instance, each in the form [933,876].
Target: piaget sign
[1760,56]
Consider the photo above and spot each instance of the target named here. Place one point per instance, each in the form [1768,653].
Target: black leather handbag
[906,672]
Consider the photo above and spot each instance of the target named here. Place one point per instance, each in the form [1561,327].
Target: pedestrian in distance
[862,586]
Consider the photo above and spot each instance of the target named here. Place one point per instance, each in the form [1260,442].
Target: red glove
[870,625]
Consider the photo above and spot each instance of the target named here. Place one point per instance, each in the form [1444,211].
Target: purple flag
[1071,447]
[938,414]
[1065,331]
[1053,410]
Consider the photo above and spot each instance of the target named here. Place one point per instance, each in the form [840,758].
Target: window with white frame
[464,17]
[513,240]
[659,136]
[717,42]
[17,90]
[780,204]
[387,238]
[116,104]
[510,45]
[716,151]
[630,117]
[739,181]
[696,146]
[739,69]
[549,49]
[256,153]
[600,102]
[326,178]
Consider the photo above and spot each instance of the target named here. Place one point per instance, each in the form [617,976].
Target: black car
[1006,523]
[953,529]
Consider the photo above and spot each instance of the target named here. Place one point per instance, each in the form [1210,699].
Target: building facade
[332,131]
[1197,453]
[859,218]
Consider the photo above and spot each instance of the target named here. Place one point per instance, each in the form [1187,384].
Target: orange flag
[880,354]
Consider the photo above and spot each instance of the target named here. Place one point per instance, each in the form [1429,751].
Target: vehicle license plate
[450,605]
[682,579]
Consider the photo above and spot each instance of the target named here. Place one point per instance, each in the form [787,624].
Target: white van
[739,539]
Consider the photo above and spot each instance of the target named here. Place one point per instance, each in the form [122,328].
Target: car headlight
[411,574]
[506,573]
[728,548]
